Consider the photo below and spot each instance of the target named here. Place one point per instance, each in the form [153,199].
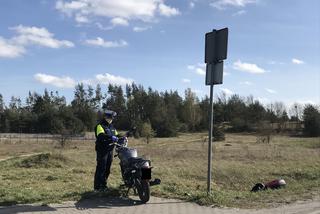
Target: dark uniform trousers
[104,161]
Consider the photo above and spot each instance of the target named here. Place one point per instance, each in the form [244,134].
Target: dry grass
[181,163]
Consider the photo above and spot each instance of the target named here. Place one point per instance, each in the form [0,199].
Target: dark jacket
[104,132]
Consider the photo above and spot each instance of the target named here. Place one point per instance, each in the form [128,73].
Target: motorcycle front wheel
[143,188]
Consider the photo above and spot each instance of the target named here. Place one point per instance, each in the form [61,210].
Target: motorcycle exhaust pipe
[156,181]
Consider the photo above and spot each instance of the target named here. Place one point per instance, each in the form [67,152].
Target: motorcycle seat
[135,159]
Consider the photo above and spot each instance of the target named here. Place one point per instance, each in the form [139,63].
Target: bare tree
[296,111]
[265,132]
[279,109]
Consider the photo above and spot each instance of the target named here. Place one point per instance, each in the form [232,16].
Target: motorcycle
[135,171]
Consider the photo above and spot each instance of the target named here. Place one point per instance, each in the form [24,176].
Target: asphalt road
[154,206]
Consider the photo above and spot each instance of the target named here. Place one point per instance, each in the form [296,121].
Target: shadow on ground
[26,208]
[113,198]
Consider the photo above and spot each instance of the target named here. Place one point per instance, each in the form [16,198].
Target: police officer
[105,134]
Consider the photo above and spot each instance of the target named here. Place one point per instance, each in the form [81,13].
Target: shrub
[311,117]
[239,125]
[147,131]
[168,127]
[218,133]
[44,160]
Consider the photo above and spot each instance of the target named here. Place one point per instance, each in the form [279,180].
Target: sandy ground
[154,206]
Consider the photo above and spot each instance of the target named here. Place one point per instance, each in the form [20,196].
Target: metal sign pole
[210,140]
[216,43]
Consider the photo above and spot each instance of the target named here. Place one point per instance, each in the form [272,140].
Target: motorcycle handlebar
[127,134]
[116,144]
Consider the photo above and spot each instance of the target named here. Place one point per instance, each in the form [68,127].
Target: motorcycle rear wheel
[144,190]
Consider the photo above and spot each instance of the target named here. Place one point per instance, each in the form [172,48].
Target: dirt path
[21,156]
[154,206]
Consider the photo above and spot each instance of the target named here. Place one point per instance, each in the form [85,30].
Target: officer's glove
[114,139]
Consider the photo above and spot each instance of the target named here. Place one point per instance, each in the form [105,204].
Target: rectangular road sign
[214,73]
[216,45]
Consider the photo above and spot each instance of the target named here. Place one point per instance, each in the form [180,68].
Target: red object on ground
[275,184]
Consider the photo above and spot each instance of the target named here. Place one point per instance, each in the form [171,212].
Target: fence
[13,137]
[288,126]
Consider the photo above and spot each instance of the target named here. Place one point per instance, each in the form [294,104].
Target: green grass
[238,163]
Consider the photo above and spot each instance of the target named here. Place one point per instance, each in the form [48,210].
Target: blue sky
[273,50]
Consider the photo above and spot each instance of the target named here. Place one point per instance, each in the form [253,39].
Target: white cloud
[186,80]
[61,82]
[227,91]
[200,71]
[223,4]
[168,11]
[106,44]
[142,10]
[68,82]
[140,29]
[8,50]
[191,5]
[24,30]
[28,36]
[248,67]
[37,36]
[119,21]
[271,91]
[69,7]
[246,83]
[81,19]
[101,27]
[297,61]
[198,68]
[108,79]
[239,13]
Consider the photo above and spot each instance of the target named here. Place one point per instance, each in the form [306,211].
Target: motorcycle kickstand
[127,194]
[135,191]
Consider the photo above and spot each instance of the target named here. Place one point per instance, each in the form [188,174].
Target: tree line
[163,113]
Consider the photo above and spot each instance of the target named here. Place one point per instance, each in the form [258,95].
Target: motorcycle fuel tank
[126,153]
